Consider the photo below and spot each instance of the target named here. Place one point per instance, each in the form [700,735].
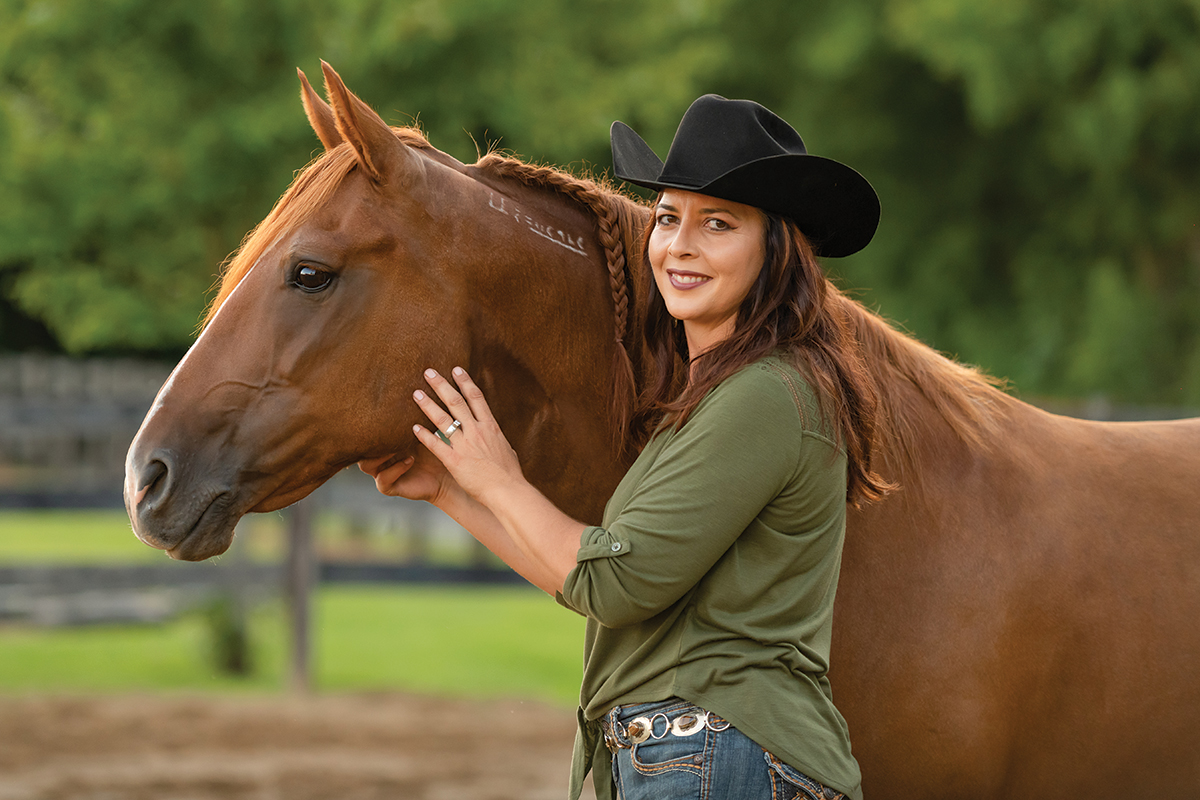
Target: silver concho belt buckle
[638,730]
[689,724]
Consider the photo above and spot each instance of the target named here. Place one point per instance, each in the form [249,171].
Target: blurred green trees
[1037,159]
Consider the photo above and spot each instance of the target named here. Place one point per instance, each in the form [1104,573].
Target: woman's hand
[475,454]
[415,479]
[475,477]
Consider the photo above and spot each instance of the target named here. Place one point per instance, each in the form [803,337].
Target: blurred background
[1037,162]
[1037,159]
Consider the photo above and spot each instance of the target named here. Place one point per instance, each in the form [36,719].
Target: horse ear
[319,114]
[365,130]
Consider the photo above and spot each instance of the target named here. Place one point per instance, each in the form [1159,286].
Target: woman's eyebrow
[712,210]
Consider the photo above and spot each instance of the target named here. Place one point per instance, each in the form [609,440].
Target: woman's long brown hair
[791,308]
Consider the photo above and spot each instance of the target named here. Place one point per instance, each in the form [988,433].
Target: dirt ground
[349,747]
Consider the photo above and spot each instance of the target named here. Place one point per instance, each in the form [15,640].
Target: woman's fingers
[473,395]
[387,472]
[373,466]
[435,440]
[449,395]
[437,415]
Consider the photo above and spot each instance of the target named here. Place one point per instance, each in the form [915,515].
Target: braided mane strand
[619,222]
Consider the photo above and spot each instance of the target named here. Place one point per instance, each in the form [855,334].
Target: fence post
[301,576]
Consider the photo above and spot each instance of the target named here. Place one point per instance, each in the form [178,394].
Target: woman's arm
[482,487]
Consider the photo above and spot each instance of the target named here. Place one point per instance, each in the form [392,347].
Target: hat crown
[717,135]
[738,150]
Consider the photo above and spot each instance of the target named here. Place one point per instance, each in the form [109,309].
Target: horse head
[383,258]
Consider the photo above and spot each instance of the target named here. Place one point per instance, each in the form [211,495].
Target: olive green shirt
[714,575]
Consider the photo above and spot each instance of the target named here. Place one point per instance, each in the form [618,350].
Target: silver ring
[454,426]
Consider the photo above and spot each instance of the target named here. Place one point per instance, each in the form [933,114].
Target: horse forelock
[311,188]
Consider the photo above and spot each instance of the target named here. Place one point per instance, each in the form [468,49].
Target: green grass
[476,642]
[460,641]
[74,536]
[173,656]
[86,536]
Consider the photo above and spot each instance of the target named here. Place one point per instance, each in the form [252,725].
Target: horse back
[1039,599]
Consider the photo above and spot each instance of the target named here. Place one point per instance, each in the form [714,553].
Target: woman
[709,589]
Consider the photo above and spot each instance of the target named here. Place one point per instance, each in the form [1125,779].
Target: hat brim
[832,204]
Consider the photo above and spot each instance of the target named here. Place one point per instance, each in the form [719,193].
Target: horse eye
[312,279]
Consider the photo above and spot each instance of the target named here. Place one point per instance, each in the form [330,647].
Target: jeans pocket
[670,753]
[789,783]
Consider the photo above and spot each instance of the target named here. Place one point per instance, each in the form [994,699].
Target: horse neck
[544,319]
[557,358]
[618,223]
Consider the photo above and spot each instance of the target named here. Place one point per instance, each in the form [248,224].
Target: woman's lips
[687,280]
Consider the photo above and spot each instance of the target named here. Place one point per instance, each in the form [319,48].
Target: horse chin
[200,546]
[208,535]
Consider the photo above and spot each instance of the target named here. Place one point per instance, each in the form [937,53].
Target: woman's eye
[665,219]
[718,224]
[312,279]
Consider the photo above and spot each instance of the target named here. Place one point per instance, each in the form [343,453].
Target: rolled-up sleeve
[710,480]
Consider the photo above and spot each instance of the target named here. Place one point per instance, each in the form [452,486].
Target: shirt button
[616,548]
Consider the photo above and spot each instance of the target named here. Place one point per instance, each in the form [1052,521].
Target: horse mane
[619,222]
[312,186]
[962,396]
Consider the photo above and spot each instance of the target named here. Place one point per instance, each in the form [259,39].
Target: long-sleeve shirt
[713,577]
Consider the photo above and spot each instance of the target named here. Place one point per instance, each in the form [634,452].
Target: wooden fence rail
[79,594]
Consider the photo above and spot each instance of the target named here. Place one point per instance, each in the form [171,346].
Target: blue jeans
[668,751]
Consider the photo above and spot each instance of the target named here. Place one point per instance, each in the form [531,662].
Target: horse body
[1038,602]
[1019,619]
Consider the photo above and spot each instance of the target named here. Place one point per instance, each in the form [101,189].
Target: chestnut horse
[1021,619]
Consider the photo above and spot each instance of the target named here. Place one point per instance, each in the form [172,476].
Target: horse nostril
[151,481]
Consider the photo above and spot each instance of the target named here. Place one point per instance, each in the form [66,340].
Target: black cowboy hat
[738,150]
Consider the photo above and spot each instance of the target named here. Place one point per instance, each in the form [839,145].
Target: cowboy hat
[739,150]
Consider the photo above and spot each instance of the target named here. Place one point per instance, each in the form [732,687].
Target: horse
[1018,619]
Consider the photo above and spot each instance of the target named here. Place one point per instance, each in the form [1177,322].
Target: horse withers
[1018,620]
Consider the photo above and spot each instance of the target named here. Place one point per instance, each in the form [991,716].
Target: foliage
[229,633]
[1035,158]
[139,139]
[1080,212]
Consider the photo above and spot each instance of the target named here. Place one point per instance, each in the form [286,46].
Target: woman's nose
[682,244]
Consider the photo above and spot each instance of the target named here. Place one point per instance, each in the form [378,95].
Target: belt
[621,736]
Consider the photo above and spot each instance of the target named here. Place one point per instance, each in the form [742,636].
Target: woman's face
[706,254]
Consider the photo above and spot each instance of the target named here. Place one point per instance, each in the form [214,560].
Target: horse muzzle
[190,520]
